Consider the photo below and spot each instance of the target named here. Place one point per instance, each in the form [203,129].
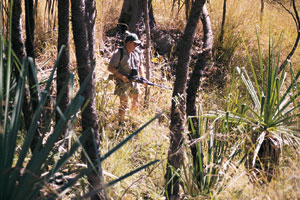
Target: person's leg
[122,108]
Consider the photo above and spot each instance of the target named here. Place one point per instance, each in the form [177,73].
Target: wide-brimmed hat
[132,37]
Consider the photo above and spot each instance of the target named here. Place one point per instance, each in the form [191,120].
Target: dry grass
[243,19]
[285,186]
[152,143]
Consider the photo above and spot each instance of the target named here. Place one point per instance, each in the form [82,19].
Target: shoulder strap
[121,55]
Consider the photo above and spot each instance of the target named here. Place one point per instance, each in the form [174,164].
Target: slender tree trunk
[92,112]
[297,21]
[223,23]
[82,16]
[262,6]
[178,109]
[30,26]
[148,45]
[91,19]
[152,22]
[194,82]
[18,47]
[17,31]
[29,44]
[63,67]
[187,9]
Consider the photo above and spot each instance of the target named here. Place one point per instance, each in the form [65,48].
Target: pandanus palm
[273,114]
[269,116]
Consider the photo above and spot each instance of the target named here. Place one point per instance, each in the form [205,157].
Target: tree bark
[132,15]
[17,31]
[29,44]
[262,7]
[223,23]
[63,67]
[147,46]
[82,16]
[187,9]
[18,47]
[179,102]
[30,26]
[194,82]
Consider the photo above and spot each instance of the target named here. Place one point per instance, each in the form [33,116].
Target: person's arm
[115,72]
[112,66]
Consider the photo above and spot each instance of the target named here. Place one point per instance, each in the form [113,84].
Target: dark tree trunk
[147,52]
[30,26]
[19,49]
[194,82]
[178,109]
[132,15]
[91,19]
[17,31]
[262,7]
[29,44]
[187,9]
[82,17]
[223,23]
[63,67]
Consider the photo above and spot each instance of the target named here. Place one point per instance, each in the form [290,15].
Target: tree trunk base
[267,160]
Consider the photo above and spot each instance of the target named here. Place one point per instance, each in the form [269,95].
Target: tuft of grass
[286,186]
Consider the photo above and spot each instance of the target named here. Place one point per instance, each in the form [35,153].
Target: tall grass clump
[275,112]
[21,176]
[267,114]
[209,155]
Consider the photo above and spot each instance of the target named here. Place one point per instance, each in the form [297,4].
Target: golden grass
[285,186]
[243,18]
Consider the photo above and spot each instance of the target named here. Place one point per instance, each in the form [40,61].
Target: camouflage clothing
[124,66]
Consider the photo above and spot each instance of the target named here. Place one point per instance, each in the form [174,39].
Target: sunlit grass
[152,143]
[243,18]
[286,186]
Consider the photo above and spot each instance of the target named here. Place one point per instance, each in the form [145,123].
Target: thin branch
[297,21]
[289,11]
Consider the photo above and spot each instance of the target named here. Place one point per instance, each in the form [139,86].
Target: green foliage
[275,107]
[21,178]
[215,149]
[23,172]
[268,113]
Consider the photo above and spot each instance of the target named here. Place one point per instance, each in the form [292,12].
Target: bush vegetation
[232,181]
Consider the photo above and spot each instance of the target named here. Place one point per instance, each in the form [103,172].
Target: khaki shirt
[127,63]
[124,66]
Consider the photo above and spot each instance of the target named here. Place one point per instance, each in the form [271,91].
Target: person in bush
[123,63]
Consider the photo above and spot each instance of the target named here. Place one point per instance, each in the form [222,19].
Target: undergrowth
[242,19]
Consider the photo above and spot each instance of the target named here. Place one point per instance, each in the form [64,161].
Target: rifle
[133,77]
[143,80]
